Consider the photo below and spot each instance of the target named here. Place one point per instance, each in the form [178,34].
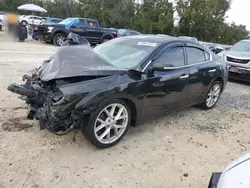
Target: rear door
[93,33]
[202,71]
[166,90]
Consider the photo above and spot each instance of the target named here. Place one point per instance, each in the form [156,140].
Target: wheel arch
[107,36]
[220,79]
[60,31]
[133,109]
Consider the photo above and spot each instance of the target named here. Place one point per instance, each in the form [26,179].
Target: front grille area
[241,61]
[42,30]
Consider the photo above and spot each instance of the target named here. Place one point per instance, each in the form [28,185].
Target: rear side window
[91,23]
[173,56]
[196,55]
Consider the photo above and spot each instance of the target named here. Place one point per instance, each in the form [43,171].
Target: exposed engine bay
[48,91]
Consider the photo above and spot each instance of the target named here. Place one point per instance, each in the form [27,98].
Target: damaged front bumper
[52,110]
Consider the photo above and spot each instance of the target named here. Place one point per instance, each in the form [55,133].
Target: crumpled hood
[74,61]
[240,55]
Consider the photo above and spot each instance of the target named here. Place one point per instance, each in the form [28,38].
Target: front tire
[109,124]
[212,96]
[59,39]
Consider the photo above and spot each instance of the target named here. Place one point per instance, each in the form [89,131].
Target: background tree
[154,16]
[204,19]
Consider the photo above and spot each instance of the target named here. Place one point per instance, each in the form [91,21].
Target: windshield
[68,21]
[125,52]
[242,46]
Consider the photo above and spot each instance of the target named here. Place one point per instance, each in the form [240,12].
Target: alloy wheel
[111,123]
[60,40]
[213,95]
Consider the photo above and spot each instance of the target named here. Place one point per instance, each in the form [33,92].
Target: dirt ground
[181,149]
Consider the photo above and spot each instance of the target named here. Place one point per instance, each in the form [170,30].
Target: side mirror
[163,67]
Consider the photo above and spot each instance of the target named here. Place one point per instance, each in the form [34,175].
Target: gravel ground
[181,149]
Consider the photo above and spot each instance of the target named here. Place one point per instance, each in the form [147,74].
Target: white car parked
[236,175]
[31,20]
[1,25]
[1,15]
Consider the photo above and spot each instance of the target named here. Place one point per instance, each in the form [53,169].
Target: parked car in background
[121,82]
[31,20]
[1,25]
[88,28]
[214,48]
[1,15]
[189,38]
[238,58]
[4,18]
[128,32]
[50,20]
[236,174]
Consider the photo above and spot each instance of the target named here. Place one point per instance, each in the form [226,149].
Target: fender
[60,30]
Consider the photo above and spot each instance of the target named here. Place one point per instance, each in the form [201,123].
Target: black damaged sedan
[102,91]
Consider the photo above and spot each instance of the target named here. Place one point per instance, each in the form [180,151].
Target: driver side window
[171,56]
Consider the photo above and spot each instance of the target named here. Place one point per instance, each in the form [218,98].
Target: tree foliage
[204,19]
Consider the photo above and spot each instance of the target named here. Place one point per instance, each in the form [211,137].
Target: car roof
[160,39]
[246,40]
[84,18]
[152,38]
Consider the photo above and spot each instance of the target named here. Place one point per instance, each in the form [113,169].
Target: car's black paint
[155,93]
[146,91]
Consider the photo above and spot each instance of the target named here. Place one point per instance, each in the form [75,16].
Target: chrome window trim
[146,65]
[210,60]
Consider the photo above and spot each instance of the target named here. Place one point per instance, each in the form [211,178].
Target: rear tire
[104,130]
[1,27]
[59,39]
[212,96]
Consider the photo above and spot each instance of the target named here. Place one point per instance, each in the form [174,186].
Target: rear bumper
[243,74]
[214,180]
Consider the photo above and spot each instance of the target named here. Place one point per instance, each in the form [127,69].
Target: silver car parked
[238,58]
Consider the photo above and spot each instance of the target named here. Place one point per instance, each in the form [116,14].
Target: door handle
[184,77]
[212,70]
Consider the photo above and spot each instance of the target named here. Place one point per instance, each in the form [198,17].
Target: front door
[202,71]
[79,28]
[168,89]
[93,31]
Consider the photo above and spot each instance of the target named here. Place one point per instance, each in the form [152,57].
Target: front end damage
[48,105]
[56,89]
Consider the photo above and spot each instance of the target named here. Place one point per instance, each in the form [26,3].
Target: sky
[240,12]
